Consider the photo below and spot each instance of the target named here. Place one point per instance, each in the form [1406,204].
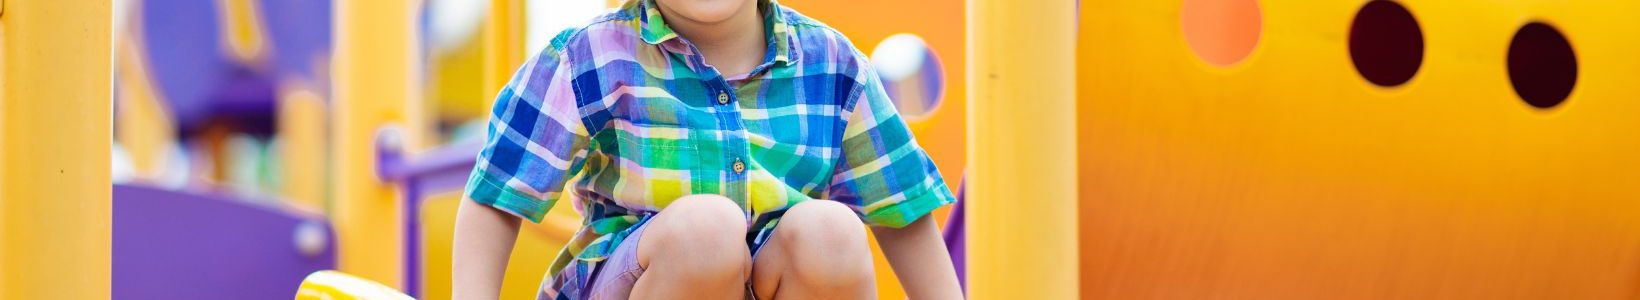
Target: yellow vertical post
[55,135]
[503,44]
[302,126]
[376,69]
[1022,150]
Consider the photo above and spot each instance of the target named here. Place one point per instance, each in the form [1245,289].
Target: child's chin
[704,11]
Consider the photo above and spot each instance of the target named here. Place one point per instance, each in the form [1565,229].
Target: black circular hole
[1386,43]
[1542,66]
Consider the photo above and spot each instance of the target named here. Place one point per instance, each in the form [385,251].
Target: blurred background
[1200,149]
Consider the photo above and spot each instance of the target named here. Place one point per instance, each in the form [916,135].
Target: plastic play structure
[257,249]
[1369,149]
[1358,149]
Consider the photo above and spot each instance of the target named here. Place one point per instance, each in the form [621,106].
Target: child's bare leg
[694,249]
[819,251]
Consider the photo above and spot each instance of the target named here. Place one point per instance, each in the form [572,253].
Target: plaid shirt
[629,113]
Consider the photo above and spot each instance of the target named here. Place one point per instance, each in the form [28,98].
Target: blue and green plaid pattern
[623,114]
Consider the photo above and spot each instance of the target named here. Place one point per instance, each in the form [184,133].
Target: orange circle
[1221,32]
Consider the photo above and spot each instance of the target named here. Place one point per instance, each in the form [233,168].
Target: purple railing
[438,170]
[956,240]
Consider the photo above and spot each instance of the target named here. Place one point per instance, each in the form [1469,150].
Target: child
[719,149]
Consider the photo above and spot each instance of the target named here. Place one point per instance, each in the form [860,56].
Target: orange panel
[1289,176]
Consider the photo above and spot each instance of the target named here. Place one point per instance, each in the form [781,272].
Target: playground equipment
[432,183]
[54,160]
[1224,148]
[439,171]
[1022,155]
[333,285]
[172,244]
[1292,173]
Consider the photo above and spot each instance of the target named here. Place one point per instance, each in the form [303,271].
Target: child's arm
[917,253]
[536,141]
[484,240]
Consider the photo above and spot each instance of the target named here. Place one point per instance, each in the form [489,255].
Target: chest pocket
[652,129]
[657,155]
[654,150]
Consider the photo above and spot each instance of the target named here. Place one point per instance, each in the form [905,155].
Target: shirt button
[739,167]
[723,97]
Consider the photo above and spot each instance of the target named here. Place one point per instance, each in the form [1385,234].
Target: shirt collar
[654,31]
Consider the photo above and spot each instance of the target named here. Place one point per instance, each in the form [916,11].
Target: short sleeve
[536,140]
[882,170]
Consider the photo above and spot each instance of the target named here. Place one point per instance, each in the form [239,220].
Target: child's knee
[827,244]
[702,235]
[822,223]
[708,214]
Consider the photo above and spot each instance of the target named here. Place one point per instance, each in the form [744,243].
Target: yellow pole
[302,125]
[377,71]
[55,111]
[1022,150]
[503,44]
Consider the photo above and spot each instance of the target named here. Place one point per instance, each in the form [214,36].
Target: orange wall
[1288,176]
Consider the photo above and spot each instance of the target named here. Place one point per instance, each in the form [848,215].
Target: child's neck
[733,46]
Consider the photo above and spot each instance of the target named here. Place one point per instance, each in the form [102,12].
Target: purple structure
[175,245]
[439,170]
[200,83]
[956,239]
